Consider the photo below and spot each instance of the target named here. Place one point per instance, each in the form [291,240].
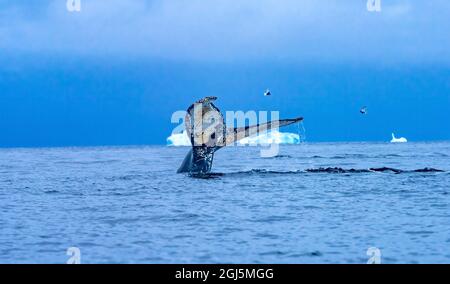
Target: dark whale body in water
[206,129]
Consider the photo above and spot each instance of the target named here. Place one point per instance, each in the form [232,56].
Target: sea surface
[312,203]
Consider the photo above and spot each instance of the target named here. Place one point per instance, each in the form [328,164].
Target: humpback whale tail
[208,133]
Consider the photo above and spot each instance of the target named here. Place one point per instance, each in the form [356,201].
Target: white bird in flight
[363,110]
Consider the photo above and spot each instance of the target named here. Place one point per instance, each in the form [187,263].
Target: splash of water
[301,131]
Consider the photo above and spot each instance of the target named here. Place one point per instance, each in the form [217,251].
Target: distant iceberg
[398,140]
[274,136]
[270,137]
[178,139]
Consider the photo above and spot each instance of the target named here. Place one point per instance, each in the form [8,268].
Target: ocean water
[313,203]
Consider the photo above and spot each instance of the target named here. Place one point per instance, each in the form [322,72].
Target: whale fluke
[207,131]
[235,134]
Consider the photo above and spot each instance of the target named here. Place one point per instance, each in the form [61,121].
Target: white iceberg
[274,136]
[178,139]
[271,137]
[398,140]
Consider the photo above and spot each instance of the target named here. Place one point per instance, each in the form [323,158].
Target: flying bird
[363,110]
[267,93]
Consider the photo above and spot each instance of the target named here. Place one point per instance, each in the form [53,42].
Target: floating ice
[398,140]
[274,136]
[178,139]
[270,137]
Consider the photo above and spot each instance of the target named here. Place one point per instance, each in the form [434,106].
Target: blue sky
[115,72]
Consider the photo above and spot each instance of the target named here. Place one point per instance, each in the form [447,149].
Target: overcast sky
[223,30]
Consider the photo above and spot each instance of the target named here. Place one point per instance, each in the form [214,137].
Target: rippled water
[127,205]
